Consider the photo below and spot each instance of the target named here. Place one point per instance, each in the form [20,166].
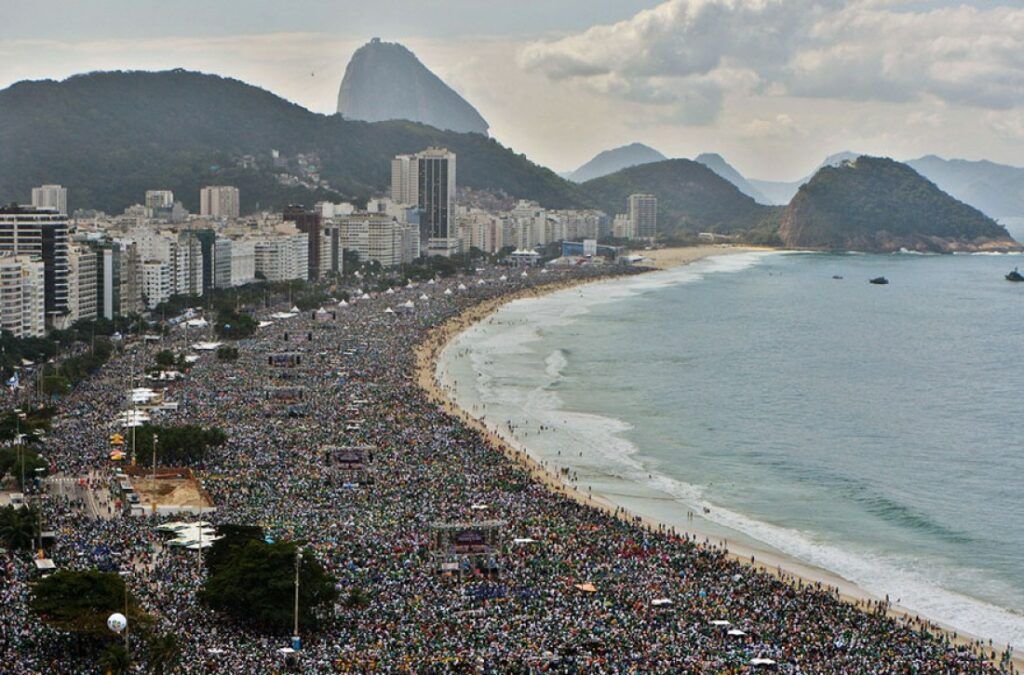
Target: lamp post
[298,560]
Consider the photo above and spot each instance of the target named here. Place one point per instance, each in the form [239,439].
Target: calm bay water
[874,431]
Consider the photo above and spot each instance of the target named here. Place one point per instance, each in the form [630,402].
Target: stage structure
[350,463]
[467,547]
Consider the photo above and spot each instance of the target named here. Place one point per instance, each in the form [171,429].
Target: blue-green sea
[873,431]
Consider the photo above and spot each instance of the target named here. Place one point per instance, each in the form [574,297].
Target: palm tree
[163,650]
[17,527]
[115,660]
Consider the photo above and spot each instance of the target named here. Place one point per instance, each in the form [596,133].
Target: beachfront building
[42,234]
[22,296]
[219,201]
[643,214]
[426,180]
[283,255]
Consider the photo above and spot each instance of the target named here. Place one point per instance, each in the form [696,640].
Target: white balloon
[117,622]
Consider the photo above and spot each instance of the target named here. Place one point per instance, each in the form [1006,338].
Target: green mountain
[385,81]
[880,205]
[616,159]
[111,136]
[691,197]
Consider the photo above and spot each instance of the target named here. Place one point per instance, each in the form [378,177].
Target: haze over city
[773,86]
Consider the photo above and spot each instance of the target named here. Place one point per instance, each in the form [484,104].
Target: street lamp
[296,643]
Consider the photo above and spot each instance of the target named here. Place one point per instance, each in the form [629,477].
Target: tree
[177,445]
[227,353]
[115,660]
[17,527]
[11,460]
[166,359]
[232,537]
[163,653]
[80,602]
[232,325]
[256,585]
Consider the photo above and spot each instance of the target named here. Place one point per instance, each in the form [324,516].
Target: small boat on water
[1015,275]
[836,276]
[879,281]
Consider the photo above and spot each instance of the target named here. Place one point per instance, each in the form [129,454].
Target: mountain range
[111,136]
[614,160]
[385,81]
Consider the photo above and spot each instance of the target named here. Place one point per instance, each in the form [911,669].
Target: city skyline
[899,78]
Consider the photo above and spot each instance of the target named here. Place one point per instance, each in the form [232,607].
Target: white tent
[462,287]
[502,278]
[342,304]
[390,291]
[524,540]
[407,304]
[282,315]
[206,346]
[661,602]
[480,282]
[523,274]
[431,282]
[264,324]
[197,323]
[720,622]
[736,632]
[424,297]
[760,661]
[364,296]
[389,311]
[295,309]
[447,291]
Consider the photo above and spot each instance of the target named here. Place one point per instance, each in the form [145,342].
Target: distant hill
[385,81]
[879,205]
[995,189]
[781,192]
[691,197]
[717,163]
[111,136]
[614,160]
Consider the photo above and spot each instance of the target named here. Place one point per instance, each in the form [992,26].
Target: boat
[1015,275]
[880,281]
[836,276]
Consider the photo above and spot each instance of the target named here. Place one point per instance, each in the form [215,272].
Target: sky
[772,85]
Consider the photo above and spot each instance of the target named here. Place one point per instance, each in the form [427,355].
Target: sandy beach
[747,552]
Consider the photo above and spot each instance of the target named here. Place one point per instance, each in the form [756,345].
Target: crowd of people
[577,589]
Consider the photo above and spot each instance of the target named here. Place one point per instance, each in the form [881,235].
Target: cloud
[687,55]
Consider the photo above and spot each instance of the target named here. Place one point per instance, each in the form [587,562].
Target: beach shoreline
[750,553]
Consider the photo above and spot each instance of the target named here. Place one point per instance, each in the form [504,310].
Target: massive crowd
[578,598]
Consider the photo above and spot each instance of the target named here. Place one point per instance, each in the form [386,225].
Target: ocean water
[874,431]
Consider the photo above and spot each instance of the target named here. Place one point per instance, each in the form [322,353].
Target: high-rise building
[643,212]
[427,179]
[51,197]
[310,222]
[283,256]
[41,234]
[219,201]
[82,281]
[22,295]
[156,282]
[159,199]
[331,251]
[118,279]
[404,181]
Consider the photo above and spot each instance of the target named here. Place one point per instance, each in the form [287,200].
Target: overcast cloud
[773,85]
